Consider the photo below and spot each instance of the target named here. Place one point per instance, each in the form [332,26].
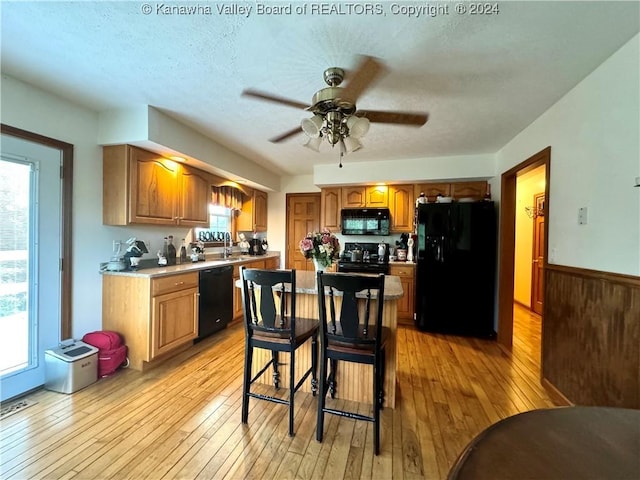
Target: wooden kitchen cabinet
[253,217]
[457,190]
[174,320]
[330,205]
[155,316]
[406,305]
[194,197]
[141,187]
[272,263]
[432,190]
[377,196]
[402,207]
[475,190]
[374,196]
[353,197]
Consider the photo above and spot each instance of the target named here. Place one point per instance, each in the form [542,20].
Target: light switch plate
[582,216]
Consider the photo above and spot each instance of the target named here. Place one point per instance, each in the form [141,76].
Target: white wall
[34,110]
[594,135]
[412,170]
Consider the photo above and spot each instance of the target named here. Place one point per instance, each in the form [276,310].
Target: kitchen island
[354,381]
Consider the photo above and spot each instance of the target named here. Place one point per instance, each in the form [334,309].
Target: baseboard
[556,395]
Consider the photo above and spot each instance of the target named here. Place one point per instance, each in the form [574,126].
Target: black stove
[366,262]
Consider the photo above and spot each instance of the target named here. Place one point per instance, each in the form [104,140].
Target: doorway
[508,231]
[34,246]
[529,242]
[303,216]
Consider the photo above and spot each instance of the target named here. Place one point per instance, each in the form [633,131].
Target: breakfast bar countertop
[306,283]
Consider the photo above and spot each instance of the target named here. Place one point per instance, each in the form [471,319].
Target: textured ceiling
[481,78]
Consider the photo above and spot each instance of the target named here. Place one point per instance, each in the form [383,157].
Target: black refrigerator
[456,265]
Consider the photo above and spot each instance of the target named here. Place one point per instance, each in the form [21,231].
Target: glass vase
[319,266]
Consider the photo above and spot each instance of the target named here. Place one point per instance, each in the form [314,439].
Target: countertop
[306,283]
[396,263]
[191,266]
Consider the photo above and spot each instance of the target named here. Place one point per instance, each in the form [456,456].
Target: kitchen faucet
[226,251]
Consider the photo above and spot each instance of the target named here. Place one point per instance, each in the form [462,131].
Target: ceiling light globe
[314,143]
[352,144]
[312,126]
[358,126]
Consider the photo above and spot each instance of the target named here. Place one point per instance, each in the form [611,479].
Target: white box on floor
[71,366]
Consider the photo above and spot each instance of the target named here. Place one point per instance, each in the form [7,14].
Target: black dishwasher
[215,300]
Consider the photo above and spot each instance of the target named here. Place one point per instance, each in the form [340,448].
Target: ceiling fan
[335,115]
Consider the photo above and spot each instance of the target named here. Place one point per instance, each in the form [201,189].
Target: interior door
[303,216]
[30,253]
[537,266]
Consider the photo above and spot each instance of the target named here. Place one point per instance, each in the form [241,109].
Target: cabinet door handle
[178,283]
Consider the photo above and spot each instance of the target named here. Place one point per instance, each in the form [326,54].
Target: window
[220,223]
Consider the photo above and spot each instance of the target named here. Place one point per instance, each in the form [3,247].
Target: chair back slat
[361,312]
[349,319]
[260,289]
[268,307]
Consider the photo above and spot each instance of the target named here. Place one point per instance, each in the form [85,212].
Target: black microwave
[365,221]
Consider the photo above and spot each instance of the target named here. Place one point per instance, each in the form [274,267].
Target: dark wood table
[558,443]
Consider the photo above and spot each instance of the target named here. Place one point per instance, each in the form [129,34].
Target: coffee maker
[255,247]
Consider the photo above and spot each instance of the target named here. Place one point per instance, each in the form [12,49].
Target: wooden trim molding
[590,347]
[66,150]
[631,280]
[507,235]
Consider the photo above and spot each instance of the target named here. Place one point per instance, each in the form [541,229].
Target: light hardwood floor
[182,419]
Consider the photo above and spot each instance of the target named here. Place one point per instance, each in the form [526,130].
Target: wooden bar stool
[273,329]
[352,334]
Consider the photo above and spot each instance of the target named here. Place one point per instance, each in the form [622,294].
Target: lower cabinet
[406,304]
[174,320]
[158,316]
[155,316]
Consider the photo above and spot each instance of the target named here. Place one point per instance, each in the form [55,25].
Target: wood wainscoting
[591,336]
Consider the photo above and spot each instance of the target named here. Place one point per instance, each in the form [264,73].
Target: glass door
[30,247]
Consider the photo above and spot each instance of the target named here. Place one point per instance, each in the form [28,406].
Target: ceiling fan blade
[273,98]
[404,118]
[286,135]
[365,74]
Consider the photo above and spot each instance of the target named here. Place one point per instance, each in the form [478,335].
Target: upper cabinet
[353,197]
[141,187]
[253,216]
[375,196]
[401,205]
[457,190]
[194,197]
[432,190]
[330,205]
[475,190]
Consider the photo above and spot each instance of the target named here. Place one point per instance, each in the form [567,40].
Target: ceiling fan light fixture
[358,126]
[314,143]
[312,126]
[352,144]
